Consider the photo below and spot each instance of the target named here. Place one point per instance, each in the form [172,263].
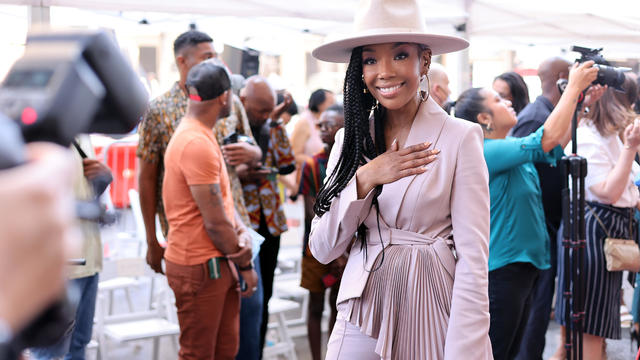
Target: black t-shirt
[551,178]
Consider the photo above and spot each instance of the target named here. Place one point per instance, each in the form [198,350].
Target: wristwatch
[245,268]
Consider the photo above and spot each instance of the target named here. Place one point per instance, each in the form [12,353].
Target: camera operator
[609,138]
[36,216]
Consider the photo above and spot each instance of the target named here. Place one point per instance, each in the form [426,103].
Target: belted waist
[392,236]
[361,261]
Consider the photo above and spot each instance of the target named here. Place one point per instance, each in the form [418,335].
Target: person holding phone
[261,191]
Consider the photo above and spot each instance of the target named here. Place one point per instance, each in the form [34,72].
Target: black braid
[357,137]
[358,142]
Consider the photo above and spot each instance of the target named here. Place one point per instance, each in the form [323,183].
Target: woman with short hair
[511,86]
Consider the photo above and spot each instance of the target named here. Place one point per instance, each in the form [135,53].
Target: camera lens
[608,75]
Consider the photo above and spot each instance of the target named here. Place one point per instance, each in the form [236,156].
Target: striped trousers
[602,288]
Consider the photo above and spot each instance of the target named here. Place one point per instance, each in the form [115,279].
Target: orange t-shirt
[193,157]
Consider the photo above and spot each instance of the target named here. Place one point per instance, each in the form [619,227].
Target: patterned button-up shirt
[263,196]
[157,127]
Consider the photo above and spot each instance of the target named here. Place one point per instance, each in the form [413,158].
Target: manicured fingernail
[394,142]
[436,151]
[427,144]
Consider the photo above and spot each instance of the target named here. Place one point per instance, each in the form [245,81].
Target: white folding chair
[134,201]
[285,345]
[137,325]
[287,286]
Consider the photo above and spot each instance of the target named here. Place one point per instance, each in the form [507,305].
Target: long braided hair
[358,142]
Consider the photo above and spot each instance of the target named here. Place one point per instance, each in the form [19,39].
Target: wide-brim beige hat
[387,21]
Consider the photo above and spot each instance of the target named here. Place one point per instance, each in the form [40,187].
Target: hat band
[388,31]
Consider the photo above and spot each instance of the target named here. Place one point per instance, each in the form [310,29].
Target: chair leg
[101,308]
[127,294]
[110,302]
[153,283]
[102,348]
[98,353]
[156,345]
[174,341]
[284,336]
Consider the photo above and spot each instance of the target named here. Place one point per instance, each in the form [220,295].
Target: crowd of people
[434,222]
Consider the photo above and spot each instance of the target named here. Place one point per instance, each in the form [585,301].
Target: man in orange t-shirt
[205,234]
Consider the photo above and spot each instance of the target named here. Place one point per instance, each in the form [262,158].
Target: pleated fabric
[602,287]
[407,300]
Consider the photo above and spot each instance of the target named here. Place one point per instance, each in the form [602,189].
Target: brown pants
[208,311]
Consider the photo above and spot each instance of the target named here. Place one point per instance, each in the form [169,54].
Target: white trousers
[348,343]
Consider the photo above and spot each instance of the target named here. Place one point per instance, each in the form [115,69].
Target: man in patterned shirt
[261,192]
[159,123]
[157,127]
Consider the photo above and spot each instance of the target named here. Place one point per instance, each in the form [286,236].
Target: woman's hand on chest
[393,165]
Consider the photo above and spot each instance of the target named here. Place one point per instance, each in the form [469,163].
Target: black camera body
[70,82]
[67,83]
[607,74]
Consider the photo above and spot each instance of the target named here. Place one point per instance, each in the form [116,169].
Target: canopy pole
[39,16]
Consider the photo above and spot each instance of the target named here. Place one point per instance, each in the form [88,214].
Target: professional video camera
[607,74]
[67,83]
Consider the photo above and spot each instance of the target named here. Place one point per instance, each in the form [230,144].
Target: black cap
[207,81]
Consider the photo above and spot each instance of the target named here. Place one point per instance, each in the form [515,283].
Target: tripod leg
[581,257]
[566,291]
[575,254]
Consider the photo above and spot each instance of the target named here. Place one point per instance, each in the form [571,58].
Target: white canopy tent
[537,28]
[521,22]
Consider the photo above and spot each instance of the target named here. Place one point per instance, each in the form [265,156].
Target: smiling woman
[411,182]
[392,73]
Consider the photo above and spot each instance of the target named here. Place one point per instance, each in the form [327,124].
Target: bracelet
[245,268]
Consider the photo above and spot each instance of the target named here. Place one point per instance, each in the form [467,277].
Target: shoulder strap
[598,219]
[80,151]
[605,229]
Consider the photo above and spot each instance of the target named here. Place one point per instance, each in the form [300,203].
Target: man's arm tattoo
[216,193]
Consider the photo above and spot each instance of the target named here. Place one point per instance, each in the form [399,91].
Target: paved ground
[142,350]
[119,246]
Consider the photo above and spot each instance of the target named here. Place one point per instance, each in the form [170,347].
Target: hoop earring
[489,128]
[424,88]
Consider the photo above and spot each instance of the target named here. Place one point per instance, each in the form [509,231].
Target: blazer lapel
[427,126]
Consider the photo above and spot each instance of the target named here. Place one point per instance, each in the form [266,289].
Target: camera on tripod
[607,74]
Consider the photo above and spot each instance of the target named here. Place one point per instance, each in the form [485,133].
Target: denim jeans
[72,347]
[510,291]
[250,321]
[268,263]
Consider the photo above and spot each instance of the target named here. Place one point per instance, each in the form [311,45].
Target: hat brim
[339,51]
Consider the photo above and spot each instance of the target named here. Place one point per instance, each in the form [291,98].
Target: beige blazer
[449,200]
